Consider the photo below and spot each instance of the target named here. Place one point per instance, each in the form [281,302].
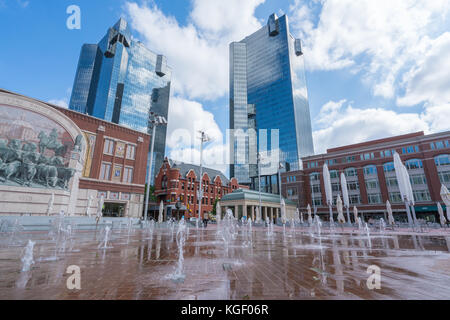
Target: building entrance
[114,209]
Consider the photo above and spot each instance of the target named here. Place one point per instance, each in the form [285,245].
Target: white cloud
[380,38]
[197,52]
[429,81]
[186,118]
[60,102]
[214,156]
[342,124]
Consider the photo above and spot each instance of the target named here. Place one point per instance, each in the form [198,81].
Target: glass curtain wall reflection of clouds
[268,92]
[121,81]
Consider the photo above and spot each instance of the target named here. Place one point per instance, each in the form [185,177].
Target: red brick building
[178,182]
[370,175]
[111,161]
[115,165]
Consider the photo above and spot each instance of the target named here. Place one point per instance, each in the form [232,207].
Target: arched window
[370,170]
[164,182]
[442,160]
[389,167]
[315,176]
[351,172]
[414,164]
[334,174]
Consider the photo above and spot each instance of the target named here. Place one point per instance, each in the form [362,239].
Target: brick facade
[129,153]
[417,149]
[178,182]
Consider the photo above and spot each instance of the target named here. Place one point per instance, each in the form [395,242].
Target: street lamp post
[259,181]
[157,121]
[204,138]
[280,166]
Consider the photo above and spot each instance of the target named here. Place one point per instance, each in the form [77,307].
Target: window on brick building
[391,182]
[372,184]
[314,176]
[128,175]
[105,171]
[354,199]
[374,198]
[395,197]
[334,174]
[131,152]
[370,170]
[109,146]
[353,186]
[442,160]
[389,167]
[418,179]
[413,164]
[421,195]
[444,177]
[351,172]
[336,187]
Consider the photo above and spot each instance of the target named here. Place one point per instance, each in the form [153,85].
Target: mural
[34,150]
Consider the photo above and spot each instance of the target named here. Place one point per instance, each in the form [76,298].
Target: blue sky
[374,68]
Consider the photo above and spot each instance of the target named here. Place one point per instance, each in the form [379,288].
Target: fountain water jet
[27,258]
[104,243]
[178,275]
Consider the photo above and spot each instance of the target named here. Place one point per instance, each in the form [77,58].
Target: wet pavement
[288,265]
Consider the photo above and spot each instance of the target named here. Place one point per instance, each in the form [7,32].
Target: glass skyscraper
[269,109]
[121,81]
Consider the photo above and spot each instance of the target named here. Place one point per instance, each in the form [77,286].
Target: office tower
[121,81]
[268,92]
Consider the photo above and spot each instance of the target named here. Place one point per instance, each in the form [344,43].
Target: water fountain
[367,230]
[250,230]
[27,258]
[382,226]
[360,226]
[178,275]
[104,243]
[228,228]
[16,229]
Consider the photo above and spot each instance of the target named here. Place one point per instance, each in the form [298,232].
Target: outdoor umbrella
[161,212]
[445,195]
[340,210]
[404,184]
[345,195]
[218,212]
[441,214]
[328,190]
[309,214]
[355,214]
[389,211]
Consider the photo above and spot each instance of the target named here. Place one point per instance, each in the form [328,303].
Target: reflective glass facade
[121,81]
[267,72]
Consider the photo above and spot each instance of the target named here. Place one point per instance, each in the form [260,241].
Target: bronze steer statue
[10,169]
[64,175]
[47,174]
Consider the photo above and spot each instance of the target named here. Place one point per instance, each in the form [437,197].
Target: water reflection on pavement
[290,265]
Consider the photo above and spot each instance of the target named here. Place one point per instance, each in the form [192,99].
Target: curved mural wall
[34,149]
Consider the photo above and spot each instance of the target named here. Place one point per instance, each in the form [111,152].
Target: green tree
[213,212]
[152,197]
